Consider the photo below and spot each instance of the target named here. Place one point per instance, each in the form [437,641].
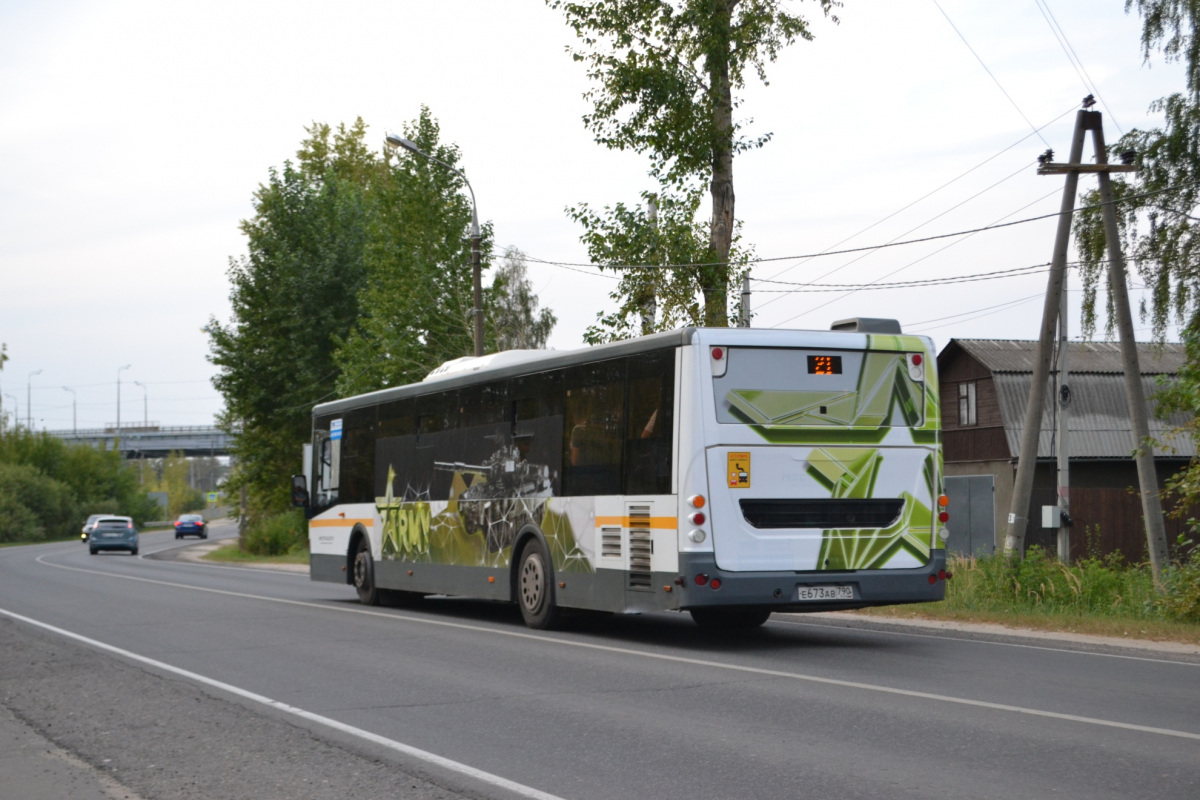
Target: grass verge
[232,553]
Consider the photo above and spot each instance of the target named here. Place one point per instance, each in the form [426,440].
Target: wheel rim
[532,582]
[360,569]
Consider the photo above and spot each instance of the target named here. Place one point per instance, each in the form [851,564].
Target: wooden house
[985,387]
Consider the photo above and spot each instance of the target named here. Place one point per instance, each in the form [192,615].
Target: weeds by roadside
[1104,596]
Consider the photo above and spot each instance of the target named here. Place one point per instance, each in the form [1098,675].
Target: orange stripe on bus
[657,523]
[338,523]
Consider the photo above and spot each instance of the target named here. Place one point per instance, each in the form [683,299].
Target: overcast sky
[134,132]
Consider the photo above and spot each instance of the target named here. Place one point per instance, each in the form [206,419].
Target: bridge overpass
[154,441]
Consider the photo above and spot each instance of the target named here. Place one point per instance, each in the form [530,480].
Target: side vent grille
[610,542]
[641,547]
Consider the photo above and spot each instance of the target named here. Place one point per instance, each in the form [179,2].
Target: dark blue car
[190,525]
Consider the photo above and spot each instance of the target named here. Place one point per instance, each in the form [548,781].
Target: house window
[966,404]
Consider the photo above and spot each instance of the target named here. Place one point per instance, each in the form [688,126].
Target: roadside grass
[1101,597]
[232,553]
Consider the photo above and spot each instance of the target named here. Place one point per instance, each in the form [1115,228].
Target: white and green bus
[728,472]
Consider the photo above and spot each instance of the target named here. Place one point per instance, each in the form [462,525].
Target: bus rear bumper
[809,591]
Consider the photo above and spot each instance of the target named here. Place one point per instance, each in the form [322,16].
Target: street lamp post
[119,371]
[74,416]
[28,401]
[16,411]
[394,141]
[145,404]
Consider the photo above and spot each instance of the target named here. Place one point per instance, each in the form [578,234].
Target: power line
[929,194]
[989,72]
[911,263]
[1015,272]
[1076,62]
[936,237]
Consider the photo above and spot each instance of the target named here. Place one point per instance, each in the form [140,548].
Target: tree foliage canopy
[637,241]
[357,276]
[294,292]
[664,76]
[415,308]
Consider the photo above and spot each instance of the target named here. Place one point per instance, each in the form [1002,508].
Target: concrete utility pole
[1064,453]
[1014,536]
[648,303]
[1156,535]
[744,321]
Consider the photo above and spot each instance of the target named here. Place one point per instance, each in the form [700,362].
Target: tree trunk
[714,280]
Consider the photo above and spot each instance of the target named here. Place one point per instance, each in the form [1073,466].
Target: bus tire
[729,620]
[364,574]
[535,588]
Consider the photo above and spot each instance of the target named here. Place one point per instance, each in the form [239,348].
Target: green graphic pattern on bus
[885,393]
[852,473]
[477,533]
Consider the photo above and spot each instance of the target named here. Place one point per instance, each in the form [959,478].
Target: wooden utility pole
[1134,396]
[1014,536]
[1156,535]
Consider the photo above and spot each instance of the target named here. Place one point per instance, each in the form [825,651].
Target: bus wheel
[730,619]
[364,574]
[535,588]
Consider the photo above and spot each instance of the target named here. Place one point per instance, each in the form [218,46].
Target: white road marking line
[797,676]
[949,634]
[400,747]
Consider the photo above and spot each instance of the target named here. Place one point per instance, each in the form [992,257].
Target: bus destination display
[824,365]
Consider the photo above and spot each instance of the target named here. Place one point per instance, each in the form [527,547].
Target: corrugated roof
[1098,419]
[1012,355]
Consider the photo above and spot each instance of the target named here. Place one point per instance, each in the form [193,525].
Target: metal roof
[1011,355]
[1098,418]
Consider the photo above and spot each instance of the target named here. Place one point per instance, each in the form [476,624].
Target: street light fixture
[28,401]
[395,142]
[74,417]
[119,371]
[145,404]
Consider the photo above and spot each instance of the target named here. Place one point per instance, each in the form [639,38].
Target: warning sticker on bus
[739,470]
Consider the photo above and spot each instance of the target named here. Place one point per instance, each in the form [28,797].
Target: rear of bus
[810,470]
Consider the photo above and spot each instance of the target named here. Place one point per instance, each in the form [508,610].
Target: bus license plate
[834,592]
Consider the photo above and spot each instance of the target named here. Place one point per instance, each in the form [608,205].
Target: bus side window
[648,436]
[595,406]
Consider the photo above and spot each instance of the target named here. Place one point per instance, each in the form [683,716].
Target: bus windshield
[807,387]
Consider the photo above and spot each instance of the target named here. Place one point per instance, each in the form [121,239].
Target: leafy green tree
[416,302]
[513,315]
[293,296]
[665,74]
[175,481]
[1159,213]
[637,241]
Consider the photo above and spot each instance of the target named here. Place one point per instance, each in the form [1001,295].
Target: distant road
[210,681]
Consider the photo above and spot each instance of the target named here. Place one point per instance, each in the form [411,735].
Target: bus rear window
[818,388]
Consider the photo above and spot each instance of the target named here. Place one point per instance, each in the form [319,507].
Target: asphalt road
[172,679]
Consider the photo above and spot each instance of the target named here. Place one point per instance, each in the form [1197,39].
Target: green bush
[1182,579]
[277,535]
[48,487]
[35,506]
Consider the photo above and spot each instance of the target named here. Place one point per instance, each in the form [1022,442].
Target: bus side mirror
[299,490]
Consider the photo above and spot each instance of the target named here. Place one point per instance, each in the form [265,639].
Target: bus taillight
[701,579]
[696,501]
[697,517]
